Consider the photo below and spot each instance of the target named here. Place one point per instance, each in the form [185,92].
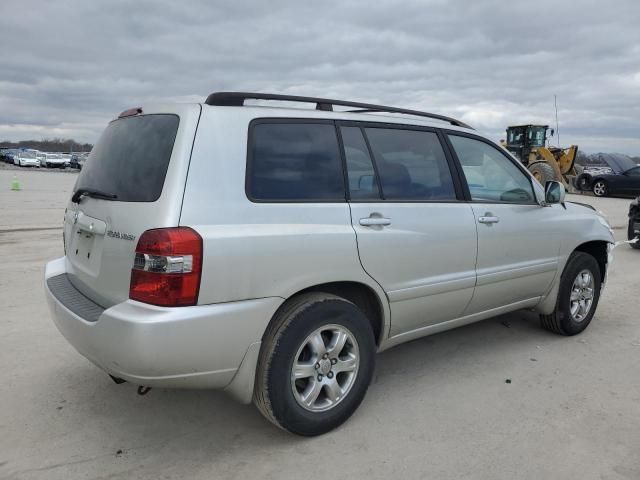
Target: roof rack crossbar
[237,99]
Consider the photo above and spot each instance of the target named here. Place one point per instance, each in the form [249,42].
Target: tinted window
[490,174]
[131,158]
[362,177]
[295,161]
[411,165]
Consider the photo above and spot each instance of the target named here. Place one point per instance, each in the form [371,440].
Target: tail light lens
[167,267]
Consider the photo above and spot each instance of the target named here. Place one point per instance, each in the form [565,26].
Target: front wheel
[600,188]
[578,296]
[315,365]
[543,172]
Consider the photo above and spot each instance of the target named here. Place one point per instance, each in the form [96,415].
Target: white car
[27,158]
[54,160]
[271,252]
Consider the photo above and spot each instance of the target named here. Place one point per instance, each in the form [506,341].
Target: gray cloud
[68,67]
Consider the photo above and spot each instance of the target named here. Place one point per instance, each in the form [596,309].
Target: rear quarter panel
[257,250]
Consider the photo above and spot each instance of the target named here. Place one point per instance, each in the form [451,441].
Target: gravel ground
[439,407]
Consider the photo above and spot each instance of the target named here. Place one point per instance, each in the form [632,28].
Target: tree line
[50,145]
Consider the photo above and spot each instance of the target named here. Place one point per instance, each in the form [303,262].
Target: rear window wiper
[90,192]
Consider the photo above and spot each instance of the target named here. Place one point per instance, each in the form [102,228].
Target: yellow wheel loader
[529,144]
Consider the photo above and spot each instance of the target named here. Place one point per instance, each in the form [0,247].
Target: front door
[416,238]
[518,246]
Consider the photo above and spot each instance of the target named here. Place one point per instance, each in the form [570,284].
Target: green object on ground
[15,184]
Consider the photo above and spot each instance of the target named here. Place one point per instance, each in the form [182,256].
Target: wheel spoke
[317,344]
[304,370]
[575,295]
[340,338]
[333,391]
[345,365]
[310,395]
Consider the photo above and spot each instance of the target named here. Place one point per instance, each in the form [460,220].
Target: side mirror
[552,132]
[554,192]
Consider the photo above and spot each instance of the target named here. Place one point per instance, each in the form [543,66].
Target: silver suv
[271,251]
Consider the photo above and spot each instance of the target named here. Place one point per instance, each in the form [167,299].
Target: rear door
[141,161]
[518,241]
[416,237]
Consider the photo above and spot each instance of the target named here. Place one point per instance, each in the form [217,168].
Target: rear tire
[303,341]
[543,172]
[578,296]
[634,225]
[600,188]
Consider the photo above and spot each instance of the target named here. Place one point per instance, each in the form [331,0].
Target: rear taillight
[167,267]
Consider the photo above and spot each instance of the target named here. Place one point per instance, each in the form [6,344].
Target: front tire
[543,172]
[600,188]
[578,296]
[315,365]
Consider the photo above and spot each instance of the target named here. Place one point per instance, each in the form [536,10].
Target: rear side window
[294,162]
[131,158]
[363,183]
[411,164]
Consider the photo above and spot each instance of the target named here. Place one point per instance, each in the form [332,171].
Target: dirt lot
[439,407]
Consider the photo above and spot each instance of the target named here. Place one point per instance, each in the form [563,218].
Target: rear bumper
[184,347]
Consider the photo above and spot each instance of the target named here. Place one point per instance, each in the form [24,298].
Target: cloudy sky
[67,67]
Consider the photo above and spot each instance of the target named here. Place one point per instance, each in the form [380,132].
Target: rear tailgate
[143,160]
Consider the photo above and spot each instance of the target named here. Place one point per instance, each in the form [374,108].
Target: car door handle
[488,219]
[374,221]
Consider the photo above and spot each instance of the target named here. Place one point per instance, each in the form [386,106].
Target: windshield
[28,155]
[131,158]
[536,136]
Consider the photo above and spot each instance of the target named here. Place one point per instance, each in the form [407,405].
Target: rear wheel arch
[360,294]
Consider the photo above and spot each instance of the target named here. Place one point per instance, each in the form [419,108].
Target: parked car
[78,160]
[633,230]
[620,177]
[9,154]
[54,160]
[27,158]
[271,252]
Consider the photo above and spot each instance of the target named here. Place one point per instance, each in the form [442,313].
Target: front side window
[490,174]
[294,162]
[411,164]
[634,172]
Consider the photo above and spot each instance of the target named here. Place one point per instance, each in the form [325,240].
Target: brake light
[167,267]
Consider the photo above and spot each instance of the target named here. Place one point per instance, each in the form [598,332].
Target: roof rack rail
[236,99]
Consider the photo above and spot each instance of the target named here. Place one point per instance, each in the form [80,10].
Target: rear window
[294,162]
[131,158]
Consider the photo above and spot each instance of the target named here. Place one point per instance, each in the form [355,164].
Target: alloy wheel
[599,189]
[581,295]
[325,368]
